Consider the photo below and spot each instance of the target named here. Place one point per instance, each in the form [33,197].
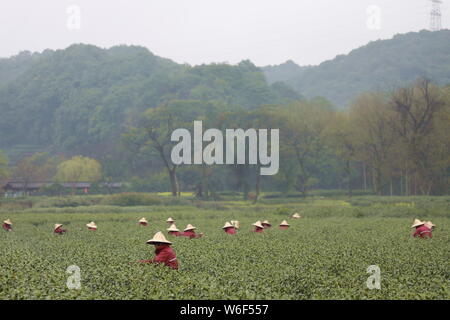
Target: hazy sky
[204,31]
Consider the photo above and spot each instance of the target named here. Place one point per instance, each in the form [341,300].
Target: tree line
[388,143]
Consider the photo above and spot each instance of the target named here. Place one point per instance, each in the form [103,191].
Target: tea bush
[131,199]
[324,255]
[70,201]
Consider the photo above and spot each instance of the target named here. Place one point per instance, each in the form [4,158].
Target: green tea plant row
[317,258]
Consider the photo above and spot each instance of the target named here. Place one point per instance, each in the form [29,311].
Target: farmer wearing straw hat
[422,231]
[170,221]
[430,225]
[173,230]
[7,225]
[284,225]
[229,228]
[296,216]
[92,226]
[266,224]
[189,232]
[258,227]
[58,229]
[163,252]
[143,222]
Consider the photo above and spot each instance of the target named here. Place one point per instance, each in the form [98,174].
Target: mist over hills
[80,99]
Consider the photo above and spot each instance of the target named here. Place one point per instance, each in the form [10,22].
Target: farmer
[58,229]
[422,231]
[7,225]
[143,222]
[163,252]
[430,225]
[296,216]
[170,221]
[92,226]
[266,224]
[258,227]
[189,232]
[284,225]
[229,228]
[173,230]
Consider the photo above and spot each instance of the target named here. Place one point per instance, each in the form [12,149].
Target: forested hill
[80,98]
[380,65]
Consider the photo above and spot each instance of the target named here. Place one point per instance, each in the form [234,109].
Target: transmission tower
[435,15]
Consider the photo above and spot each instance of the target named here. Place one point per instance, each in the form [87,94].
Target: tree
[37,167]
[4,169]
[371,115]
[341,138]
[79,169]
[153,131]
[416,110]
[302,126]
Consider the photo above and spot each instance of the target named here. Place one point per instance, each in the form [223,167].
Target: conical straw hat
[429,224]
[189,227]
[7,221]
[227,225]
[284,223]
[235,223]
[296,216]
[417,223]
[158,238]
[173,227]
[266,222]
[91,225]
[170,220]
[58,225]
[143,220]
[258,224]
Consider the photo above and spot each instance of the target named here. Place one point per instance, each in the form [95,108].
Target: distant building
[13,188]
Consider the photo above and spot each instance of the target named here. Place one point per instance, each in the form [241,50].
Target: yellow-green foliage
[79,169]
[169,194]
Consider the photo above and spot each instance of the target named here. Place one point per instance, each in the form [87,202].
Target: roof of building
[20,185]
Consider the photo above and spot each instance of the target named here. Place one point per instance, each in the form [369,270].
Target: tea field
[324,255]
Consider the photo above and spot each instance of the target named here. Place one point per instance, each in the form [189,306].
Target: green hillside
[380,65]
[78,100]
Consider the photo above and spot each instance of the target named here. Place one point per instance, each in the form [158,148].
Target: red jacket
[143,223]
[175,233]
[284,227]
[164,255]
[230,230]
[423,232]
[265,225]
[7,227]
[59,230]
[258,229]
[190,234]
[93,229]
